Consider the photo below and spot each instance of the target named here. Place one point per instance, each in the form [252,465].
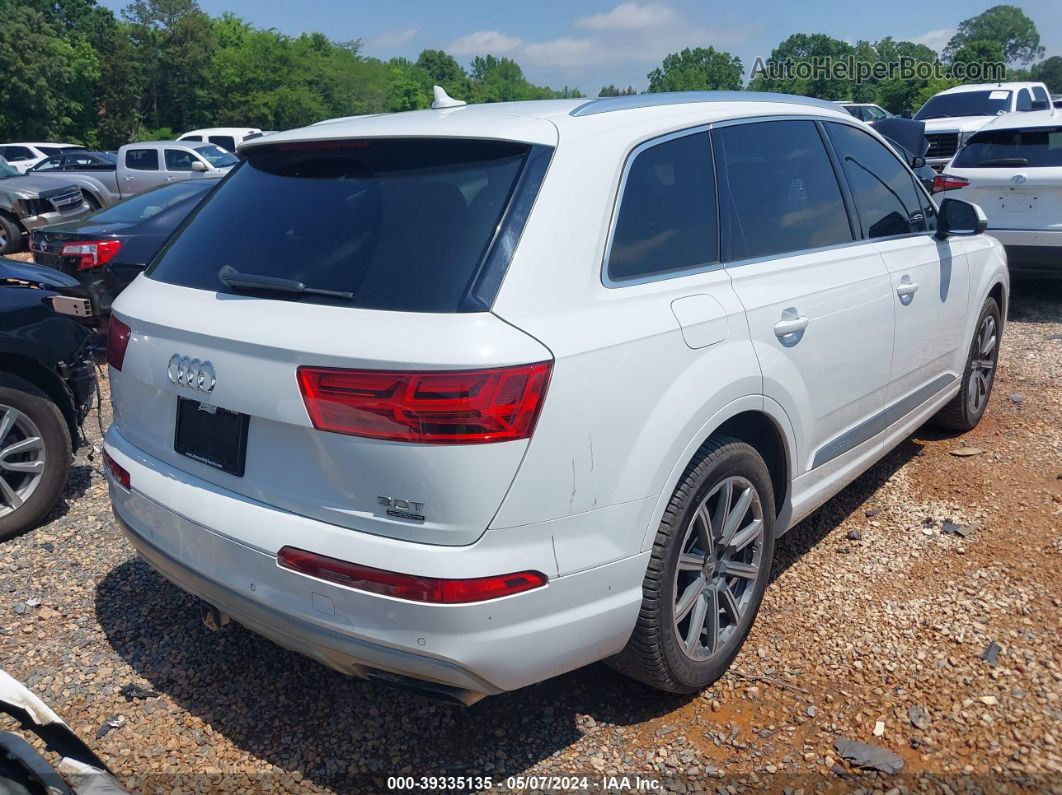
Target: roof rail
[609,104]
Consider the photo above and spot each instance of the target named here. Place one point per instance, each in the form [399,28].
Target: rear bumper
[469,650]
[1032,252]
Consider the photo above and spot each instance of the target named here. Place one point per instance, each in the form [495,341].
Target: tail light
[117,341]
[408,586]
[91,254]
[942,182]
[462,407]
[120,473]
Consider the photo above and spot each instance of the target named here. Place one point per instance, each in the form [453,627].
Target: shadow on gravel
[77,484]
[343,733]
[1036,300]
[337,731]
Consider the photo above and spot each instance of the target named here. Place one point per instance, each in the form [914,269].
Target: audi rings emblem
[191,373]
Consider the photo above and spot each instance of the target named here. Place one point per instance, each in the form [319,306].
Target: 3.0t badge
[191,373]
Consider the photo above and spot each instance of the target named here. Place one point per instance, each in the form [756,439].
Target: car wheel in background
[965,410]
[35,455]
[10,236]
[709,568]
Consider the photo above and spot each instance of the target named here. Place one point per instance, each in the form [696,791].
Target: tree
[697,69]
[1049,72]
[896,92]
[794,59]
[611,91]
[976,54]
[48,83]
[1006,25]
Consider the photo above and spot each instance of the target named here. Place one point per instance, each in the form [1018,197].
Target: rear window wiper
[235,280]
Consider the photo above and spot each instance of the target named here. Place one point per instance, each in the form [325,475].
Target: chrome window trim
[641,146]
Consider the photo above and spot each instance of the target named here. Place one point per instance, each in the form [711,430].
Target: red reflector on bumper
[408,586]
[120,473]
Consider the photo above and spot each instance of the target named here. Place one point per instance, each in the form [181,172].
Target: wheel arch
[756,420]
[32,371]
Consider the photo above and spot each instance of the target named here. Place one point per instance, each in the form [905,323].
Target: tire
[660,651]
[90,200]
[10,236]
[965,410]
[26,495]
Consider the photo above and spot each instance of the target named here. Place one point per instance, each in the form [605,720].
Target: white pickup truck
[138,167]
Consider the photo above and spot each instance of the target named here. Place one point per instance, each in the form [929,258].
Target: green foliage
[70,70]
[803,48]
[1050,73]
[611,91]
[1004,25]
[697,69]
[978,51]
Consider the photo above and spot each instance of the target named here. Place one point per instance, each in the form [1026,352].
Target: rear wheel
[35,455]
[707,573]
[965,410]
[90,200]
[10,236]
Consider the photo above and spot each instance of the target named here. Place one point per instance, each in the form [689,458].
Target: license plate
[212,435]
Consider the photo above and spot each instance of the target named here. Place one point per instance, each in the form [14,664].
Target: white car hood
[957,124]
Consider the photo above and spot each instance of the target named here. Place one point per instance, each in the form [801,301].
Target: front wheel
[707,573]
[10,236]
[964,411]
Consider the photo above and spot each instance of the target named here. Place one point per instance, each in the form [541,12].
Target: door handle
[906,289]
[789,326]
[127,179]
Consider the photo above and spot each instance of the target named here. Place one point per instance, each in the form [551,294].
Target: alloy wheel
[982,365]
[22,459]
[718,566]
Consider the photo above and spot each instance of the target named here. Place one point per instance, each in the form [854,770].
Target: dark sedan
[107,249]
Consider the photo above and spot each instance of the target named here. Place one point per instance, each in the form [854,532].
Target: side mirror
[1040,104]
[199,165]
[960,218]
[917,163]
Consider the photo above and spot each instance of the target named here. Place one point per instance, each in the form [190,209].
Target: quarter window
[667,217]
[142,159]
[884,193]
[779,193]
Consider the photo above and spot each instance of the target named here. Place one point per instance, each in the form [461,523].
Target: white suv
[1012,168]
[466,398]
[955,114]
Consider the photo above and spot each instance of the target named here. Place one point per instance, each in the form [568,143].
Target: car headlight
[35,206]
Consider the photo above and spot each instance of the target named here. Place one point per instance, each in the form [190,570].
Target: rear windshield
[966,103]
[152,202]
[1036,147]
[403,224]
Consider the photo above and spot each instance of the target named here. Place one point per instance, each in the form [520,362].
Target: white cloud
[630,33]
[486,42]
[935,39]
[388,39]
[629,16]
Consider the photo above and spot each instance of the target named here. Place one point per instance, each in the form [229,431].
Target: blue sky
[590,43]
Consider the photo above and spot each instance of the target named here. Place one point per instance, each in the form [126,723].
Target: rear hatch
[339,285]
[1015,176]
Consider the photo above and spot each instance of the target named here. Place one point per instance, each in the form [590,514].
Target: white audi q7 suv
[461,399]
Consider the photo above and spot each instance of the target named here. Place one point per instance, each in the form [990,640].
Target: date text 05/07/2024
[574,783]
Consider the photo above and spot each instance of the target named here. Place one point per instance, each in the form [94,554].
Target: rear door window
[1024,100]
[667,217]
[882,187]
[142,159]
[226,142]
[778,190]
[403,224]
[16,153]
[1040,98]
[1036,147]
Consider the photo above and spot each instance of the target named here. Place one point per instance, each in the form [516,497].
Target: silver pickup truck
[29,201]
[137,167]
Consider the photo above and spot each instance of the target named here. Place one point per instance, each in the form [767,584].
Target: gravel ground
[873,629]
